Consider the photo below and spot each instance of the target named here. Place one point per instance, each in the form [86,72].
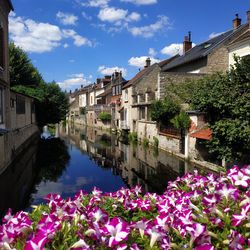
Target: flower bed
[195,212]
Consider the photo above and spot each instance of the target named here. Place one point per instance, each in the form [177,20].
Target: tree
[22,71]
[54,105]
[164,110]
[226,100]
[52,102]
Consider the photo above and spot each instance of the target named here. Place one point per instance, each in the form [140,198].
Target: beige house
[240,46]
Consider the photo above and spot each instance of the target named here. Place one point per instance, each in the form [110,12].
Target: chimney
[107,77]
[98,80]
[81,86]
[236,22]
[187,43]
[120,74]
[148,63]
[116,74]
[248,18]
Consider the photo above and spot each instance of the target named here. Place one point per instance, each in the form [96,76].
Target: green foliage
[54,106]
[156,142]
[83,111]
[22,71]
[52,102]
[164,110]
[181,121]
[145,142]
[226,100]
[105,116]
[133,137]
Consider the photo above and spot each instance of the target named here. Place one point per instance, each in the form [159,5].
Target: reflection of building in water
[136,164]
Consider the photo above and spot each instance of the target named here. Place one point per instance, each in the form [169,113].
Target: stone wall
[13,142]
[169,143]
[147,130]
[166,78]
[217,61]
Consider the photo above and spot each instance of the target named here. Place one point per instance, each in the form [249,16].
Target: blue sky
[75,41]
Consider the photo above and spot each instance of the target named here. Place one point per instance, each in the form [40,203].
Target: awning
[205,134]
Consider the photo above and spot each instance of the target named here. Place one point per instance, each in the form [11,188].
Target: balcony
[124,125]
[100,108]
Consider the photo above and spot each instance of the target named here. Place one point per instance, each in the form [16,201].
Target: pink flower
[205,247]
[238,218]
[118,231]
[240,179]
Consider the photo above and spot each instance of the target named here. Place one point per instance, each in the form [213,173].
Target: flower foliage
[195,212]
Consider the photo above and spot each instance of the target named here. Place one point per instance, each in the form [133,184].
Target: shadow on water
[45,160]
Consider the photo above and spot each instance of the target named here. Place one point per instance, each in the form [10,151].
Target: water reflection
[43,161]
[135,164]
[82,158]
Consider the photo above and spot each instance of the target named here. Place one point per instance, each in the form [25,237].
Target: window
[20,105]
[126,95]
[113,91]
[1,47]
[1,105]
[142,113]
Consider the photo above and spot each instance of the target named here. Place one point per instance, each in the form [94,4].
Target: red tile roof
[205,134]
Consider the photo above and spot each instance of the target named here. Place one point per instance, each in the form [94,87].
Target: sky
[75,41]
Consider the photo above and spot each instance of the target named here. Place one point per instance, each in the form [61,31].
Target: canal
[83,158]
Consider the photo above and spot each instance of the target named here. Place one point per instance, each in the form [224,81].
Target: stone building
[213,55]
[5,8]
[17,111]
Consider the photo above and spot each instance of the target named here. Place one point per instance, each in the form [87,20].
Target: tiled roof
[145,71]
[203,49]
[138,76]
[205,134]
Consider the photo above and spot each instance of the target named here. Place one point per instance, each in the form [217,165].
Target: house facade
[5,8]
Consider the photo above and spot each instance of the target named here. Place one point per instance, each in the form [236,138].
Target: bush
[164,110]
[156,142]
[181,121]
[83,111]
[132,136]
[145,142]
[105,116]
[195,212]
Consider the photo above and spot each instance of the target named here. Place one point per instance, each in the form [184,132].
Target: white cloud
[78,40]
[173,49]
[111,14]
[110,70]
[140,2]
[95,3]
[74,81]
[41,37]
[150,30]
[66,18]
[65,46]
[152,52]
[133,17]
[140,62]
[214,34]
[86,16]
[33,36]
